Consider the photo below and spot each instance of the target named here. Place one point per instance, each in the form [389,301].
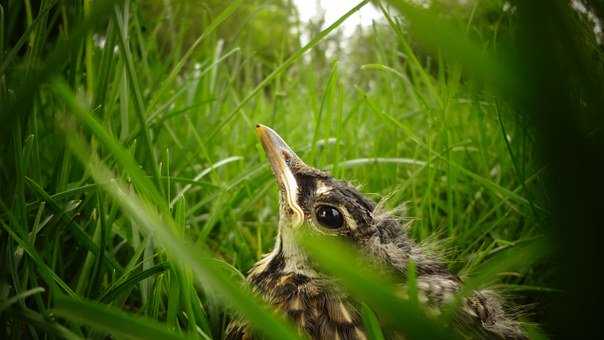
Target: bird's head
[310,198]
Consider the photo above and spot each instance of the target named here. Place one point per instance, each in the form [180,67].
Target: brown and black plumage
[286,279]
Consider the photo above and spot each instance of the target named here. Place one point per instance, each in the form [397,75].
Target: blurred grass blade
[441,35]
[52,327]
[142,182]
[12,53]
[112,320]
[371,323]
[157,221]
[208,272]
[365,285]
[516,258]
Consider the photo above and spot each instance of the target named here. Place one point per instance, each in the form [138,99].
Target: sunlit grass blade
[202,174]
[351,163]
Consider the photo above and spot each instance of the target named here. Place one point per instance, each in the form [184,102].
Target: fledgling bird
[286,278]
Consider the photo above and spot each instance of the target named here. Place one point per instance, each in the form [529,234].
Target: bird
[287,279]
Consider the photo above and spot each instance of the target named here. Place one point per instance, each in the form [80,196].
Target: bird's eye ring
[329,217]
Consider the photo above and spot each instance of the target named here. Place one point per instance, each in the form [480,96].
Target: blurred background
[481,118]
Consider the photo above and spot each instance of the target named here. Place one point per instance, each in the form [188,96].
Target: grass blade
[112,320]
[6,303]
[366,285]
[123,286]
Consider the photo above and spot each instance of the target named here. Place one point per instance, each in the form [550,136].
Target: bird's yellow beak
[282,159]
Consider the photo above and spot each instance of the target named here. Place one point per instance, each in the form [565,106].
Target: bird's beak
[282,159]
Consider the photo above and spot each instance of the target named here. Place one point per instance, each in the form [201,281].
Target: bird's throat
[296,260]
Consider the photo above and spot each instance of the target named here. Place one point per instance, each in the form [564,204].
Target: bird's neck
[295,258]
[286,257]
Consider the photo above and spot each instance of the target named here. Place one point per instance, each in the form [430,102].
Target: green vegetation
[135,196]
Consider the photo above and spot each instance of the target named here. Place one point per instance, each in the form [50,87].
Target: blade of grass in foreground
[113,320]
[122,156]
[364,284]
[211,274]
[372,325]
[444,36]
[152,214]
[515,258]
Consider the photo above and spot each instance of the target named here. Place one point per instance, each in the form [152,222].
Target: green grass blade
[76,230]
[210,273]
[139,104]
[357,277]
[123,286]
[8,302]
[112,320]
[371,323]
[142,182]
[47,273]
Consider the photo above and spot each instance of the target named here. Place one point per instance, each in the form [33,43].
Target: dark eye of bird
[329,217]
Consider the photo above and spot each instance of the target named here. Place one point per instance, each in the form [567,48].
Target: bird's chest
[311,304]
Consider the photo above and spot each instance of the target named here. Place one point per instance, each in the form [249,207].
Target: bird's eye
[329,217]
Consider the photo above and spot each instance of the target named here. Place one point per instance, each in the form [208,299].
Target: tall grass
[135,196]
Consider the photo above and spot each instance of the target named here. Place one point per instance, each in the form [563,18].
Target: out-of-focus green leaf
[211,274]
[357,276]
[112,320]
